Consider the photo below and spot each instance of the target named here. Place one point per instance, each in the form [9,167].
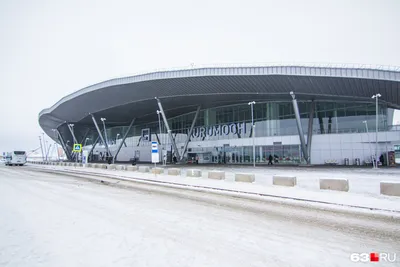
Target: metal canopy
[182,91]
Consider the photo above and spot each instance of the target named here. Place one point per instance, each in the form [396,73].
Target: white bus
[16,158]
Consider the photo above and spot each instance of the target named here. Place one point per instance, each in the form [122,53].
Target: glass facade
[271,119]
[277,119]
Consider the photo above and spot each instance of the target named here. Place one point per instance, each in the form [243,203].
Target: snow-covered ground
[56,220]
[364,183]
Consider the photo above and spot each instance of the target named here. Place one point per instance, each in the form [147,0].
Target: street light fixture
[73,136]
[41,147]
[104,126]
[376,97]
[87,138]
[369,143]
[116,139]
[44,146]
[159,127]
[251,104]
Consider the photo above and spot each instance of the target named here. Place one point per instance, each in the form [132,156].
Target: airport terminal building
[230,115]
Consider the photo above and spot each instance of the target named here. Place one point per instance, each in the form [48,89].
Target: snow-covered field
[56,220]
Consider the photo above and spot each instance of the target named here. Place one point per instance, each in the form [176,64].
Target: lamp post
[66,146]
[104,126]
[116,139]
[87,138]
[251,104]
[105,135]
[72,129]
[369,142]
[159,127]
[41,147]
[376,96]
[44,147]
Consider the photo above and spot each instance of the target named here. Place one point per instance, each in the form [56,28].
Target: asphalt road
[55,220]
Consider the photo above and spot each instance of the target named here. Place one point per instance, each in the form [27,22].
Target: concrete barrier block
[245,177]
[193,173]
[144,169]
[174,171]
[131,168]
[112,167]
[103,166]
[334,184]
[80,164]
[89,165]
[121,167]
[157,170]
[390,188]
[218,175]
[284,180]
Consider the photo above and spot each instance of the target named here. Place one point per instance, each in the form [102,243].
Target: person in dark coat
[270,158]
[382,159]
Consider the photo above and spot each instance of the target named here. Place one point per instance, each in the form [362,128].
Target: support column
[123,140]
[310,129]
[72,133]
[101,136]
[61,139]
[190,132]
[84,136]
[299,128]
[93,146]
[168,129]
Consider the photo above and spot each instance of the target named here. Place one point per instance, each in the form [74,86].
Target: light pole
[58,155]
[44,146]
[251,104]
[159,127]
[369,142]
[55,144]
[66,146]
[87,138]
[72,129]
[116,139]
[104,126]
[377,124]
[41,147]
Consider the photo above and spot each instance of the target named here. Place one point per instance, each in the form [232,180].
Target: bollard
[334,184]
[284,180]
[217,175]
[174,171]
[144,168]
[245,177]
[390,188]
[131,168]
[157,170]
[193,173]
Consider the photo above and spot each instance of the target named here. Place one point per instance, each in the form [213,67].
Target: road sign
[85,156]
[155,158]
[77,148]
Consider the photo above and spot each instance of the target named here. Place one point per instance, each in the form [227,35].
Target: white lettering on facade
[215,130]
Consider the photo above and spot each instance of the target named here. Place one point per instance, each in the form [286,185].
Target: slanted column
[66,151]
[168,129]
[101,136]
[299,128]
[190,132]
[310,129]
[123,140]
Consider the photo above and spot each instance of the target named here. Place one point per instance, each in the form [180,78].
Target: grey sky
[52,48]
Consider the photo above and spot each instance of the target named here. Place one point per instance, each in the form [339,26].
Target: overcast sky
[51,48]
